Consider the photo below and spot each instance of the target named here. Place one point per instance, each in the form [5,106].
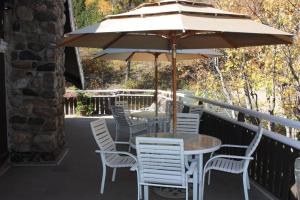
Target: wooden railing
[102,100]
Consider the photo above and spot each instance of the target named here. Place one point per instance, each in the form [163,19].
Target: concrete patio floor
[78,176]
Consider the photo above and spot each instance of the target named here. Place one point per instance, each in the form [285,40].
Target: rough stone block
[36,121]
[23,64]
[36,47]
[28,55]
[18,119]
[45,143]
[24,13]
[45,16]
[49,67]
[29,92]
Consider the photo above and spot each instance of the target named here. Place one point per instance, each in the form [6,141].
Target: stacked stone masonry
[35,80]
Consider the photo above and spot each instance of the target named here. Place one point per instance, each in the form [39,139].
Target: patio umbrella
[155,56]
[176,24]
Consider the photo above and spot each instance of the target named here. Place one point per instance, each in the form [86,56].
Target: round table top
[193,143]
[147,114]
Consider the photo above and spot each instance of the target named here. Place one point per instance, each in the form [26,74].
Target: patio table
[194,144]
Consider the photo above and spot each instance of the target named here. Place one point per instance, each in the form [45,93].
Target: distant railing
[101,100]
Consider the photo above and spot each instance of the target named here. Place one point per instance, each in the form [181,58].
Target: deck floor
[78,176]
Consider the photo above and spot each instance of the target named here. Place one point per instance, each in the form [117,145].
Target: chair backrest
[186,123]
[120,116]
[169,106]
[161,161]
[103,139]
[255,141]
[124,105]
[197,110]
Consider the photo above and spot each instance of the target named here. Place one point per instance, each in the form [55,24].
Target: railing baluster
[102,105]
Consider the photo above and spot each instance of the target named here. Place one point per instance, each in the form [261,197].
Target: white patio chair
[197,110]
[169,107]
[125,123]
[109,155]
[161,163]
[186,123]
[124,105]
[234,164]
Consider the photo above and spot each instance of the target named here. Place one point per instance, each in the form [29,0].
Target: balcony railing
[273,164]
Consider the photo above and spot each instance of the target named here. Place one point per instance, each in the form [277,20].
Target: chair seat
[114,160]
[226,165]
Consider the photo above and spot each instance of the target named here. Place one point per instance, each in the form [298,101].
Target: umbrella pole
[174,78]
[156,89]
[156,84]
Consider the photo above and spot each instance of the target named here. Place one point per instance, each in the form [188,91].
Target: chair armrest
[120,142]
[229,157]
[234,146]
[117,152]
[138,124]
[232,156]
[192,168]
[134,167]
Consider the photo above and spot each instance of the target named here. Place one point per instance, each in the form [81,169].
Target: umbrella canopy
[150,54]
[196,26]
[155,55]
[176,24]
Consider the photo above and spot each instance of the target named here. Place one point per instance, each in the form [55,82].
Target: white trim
[271,118]
[273,135]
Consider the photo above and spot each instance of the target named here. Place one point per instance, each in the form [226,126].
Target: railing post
[241,117]
[297,176]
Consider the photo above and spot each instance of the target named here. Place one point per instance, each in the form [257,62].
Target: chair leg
[114,174]
[209,172]
[146,192]
[187,192]
[245,175]
[103,178]
[140,192]
[195,185]
[201,192]
[129,148]
[208,178]
[117,133]
[248,181]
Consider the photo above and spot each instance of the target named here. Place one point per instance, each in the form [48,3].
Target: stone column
[35,80]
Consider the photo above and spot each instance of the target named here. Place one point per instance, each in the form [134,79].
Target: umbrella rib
[72,40]
[114,41]
[129,57]
[228,41]
[100,56]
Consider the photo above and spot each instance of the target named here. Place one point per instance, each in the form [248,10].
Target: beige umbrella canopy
[176,24]
[152,55]
[194,25]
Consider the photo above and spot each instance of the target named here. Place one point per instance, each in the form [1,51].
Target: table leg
[200,168]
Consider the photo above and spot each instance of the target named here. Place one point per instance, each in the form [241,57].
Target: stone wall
[34,78]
